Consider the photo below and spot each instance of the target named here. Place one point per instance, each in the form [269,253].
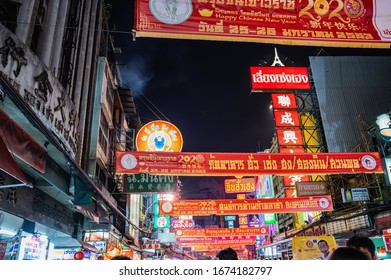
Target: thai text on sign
[246,164]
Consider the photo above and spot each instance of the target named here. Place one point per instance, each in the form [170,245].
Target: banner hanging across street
[222,232]
[245,206]
[246,164]
[336,23]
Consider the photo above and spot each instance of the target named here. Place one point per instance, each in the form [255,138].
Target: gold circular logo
[354,8]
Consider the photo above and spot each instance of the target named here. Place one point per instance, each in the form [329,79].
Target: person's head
[227,254]
[120,258]
[323,246]
[364,244]
[348,253]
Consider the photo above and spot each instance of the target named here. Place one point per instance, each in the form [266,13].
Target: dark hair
[348,253]
[324,241]
[227,254]
[363,242]
[120,258]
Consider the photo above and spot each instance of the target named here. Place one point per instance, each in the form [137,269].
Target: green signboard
[161,222]
[150,183]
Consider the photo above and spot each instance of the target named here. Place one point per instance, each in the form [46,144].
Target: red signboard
[289,137]
[267,78]
[291,180]
[286,118]
[284,101]
[222,232]
[311,188]
[290,192]
[245,164]
[341,23]
[247,206]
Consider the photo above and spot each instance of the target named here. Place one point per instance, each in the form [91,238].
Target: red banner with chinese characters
[284,101]
[247,206]
[336,23]
[245,164]
[292,150]
[222,232]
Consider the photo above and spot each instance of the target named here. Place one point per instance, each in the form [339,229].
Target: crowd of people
[357,248]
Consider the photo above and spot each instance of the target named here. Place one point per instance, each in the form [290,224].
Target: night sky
[203,87]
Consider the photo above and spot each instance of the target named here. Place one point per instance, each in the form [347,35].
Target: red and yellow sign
[246,164]
[242,185]
[215,247]
[341,23]
[222,232]
[159,136]
[267,78]
[246,206]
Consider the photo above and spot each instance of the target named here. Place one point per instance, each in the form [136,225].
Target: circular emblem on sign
[309,244]
[368,162]
[323,203]
[167,207]
[171,11]
[263,230]
[353,8]
[159,136]
[128,161]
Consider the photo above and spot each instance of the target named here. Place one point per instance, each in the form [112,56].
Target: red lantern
[79,255]
[100,258]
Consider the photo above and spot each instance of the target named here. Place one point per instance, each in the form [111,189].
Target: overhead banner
[336,23]
[222,232]
[245,164]
[245,206]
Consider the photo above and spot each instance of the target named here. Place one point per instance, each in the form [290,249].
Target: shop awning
[9,166]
